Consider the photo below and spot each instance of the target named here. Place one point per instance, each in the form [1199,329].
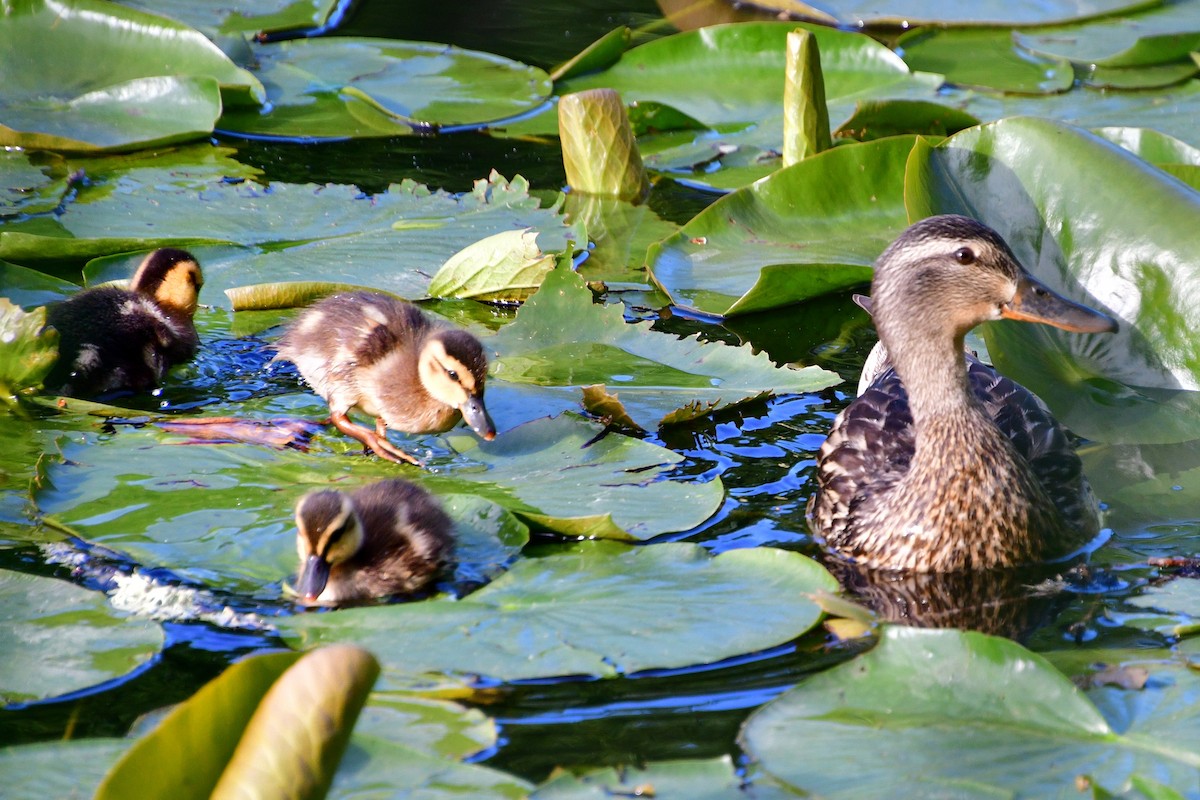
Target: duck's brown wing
[868,449]
[1039,438]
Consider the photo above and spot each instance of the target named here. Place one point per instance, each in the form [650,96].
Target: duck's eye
[964,255]
[452,375]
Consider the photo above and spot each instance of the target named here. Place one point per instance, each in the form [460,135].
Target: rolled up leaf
[599,151]
[805,115]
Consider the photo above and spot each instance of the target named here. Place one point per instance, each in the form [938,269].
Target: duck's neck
[934,374]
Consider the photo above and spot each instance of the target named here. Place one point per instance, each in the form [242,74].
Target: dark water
[764,453]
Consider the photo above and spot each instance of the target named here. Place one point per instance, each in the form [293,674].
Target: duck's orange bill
[1035,302]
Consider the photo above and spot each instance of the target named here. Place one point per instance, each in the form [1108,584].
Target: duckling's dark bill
[313,577]
[476,416]
[1036,302]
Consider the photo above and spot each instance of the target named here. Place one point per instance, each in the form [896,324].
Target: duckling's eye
[964,255]
[453,375]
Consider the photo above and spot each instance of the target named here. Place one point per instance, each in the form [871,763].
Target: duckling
[942,464]
[386,538]
[389,360]
[112,338]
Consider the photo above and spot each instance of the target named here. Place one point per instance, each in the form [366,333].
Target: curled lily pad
[244,16]
[1042,185]
[985,57]
[127,78]
[561,338]
[346,86]
[1158,35]
[506,266]
[58,638]
[947,712]
[812,228]
[605,609]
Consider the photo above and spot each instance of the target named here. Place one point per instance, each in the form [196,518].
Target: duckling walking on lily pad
[386,358]
[391,537]
[942,464]
[112,338]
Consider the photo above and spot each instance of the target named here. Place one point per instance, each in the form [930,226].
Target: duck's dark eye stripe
[964,255]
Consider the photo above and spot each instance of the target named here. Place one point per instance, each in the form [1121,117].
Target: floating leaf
[244,16]
[876,119]
[1041,185]
[28,351]
[987,58]
[561,338]
[115,78]
[695,779]
[504,267]
[1161,34]
[948,12]
[603,610]
[26,187]
[944,712]
[35,771]
[811,228]
[290,233]
[1179,600]
[344,86]
[59,638]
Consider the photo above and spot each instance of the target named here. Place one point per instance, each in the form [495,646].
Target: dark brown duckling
[942,464]
[389,360]
[112,338]
[391,537]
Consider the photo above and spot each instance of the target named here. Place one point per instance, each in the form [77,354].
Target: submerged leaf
[562,338]
[28,351]
[603,610]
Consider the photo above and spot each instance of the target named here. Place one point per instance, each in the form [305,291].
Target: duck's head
[172,277]
[949,273]
[328,532]
[453,369]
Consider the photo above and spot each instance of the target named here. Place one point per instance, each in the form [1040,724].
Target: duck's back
[871,447]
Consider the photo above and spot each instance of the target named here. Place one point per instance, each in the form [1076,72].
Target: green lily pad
[28,351]
[115,78]
[561,338]
[809,229]
[876,119]
[603,610]
[1042,186]
[59,638]
[26,187]
[244,16]
[35,771]
[333,87]
[987,58]
[947,713]
[1179,599]
[695,779]
[949,12]
[1163,33]
[285,233]
[30,288]
[222,514]
[1150,77]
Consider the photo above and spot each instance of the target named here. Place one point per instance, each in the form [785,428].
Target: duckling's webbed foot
[374,440]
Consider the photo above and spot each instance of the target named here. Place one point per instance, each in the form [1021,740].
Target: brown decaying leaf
[279,432]
[597,400]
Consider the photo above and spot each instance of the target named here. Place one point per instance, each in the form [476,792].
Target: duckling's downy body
[112,338]
[389,360]
[387,538]
[942,464]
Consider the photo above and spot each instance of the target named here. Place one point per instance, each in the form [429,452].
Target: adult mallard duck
[387,538]
[112,338]
[386,358]
[942,464]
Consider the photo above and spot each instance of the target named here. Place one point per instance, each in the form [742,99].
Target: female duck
[942,464]
[386,358]
[112,338]
[387,538]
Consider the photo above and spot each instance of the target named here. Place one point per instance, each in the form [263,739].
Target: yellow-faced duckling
[942,464]
[386,358]
[112,338]
[387,538]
